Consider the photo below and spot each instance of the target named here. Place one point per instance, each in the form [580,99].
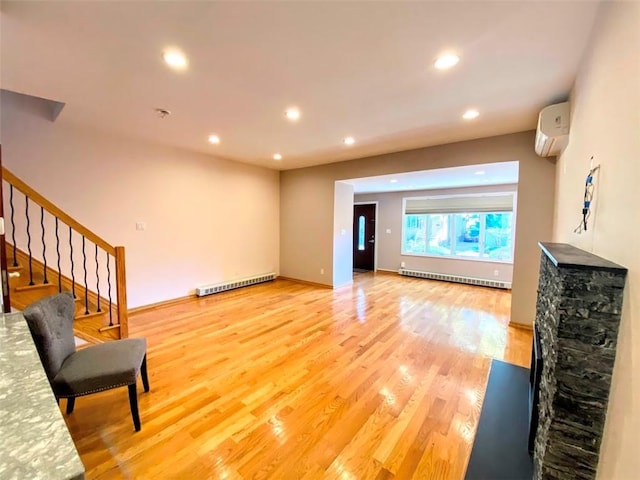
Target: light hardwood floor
[380,380]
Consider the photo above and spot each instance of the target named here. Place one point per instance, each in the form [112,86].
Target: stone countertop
[34,439]
[564,255]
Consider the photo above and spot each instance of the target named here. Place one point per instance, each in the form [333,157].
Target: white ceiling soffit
[361,69]
[53,107]
[457,177]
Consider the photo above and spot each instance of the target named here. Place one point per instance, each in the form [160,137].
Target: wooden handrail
[56,211]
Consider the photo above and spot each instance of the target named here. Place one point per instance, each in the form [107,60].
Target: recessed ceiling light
[393,180]
[175,59]
[349,141]
[470,114]
[277,156]
[292,113]
[480,172]
[214,139]
[446,61]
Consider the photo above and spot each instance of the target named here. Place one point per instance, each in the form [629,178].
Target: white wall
[343,234]
[207,220]
[389,244]
[605,124]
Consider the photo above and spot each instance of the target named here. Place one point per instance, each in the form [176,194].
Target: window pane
[467,234]
[361,232]
[438,238]
[497,236]
[473,235]
[415,234]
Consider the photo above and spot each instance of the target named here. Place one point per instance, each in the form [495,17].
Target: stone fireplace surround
[577,314]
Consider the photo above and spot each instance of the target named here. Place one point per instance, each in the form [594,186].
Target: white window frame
[452,229]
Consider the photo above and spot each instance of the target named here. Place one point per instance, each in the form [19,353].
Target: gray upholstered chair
[93,369]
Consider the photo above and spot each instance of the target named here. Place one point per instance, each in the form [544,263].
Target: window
[473,227]
[466,231]
[361,232]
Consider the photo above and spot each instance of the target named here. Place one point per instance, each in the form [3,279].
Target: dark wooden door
[364,241]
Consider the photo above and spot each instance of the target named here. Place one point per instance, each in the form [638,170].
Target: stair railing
[76,230]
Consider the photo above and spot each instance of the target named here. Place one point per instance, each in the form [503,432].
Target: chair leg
[143,372]
[133,401]
[71,402]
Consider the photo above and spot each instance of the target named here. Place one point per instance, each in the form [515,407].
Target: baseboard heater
[223,287]
[454,278]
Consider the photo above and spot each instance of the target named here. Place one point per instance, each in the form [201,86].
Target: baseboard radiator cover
[455,278]
[224,286]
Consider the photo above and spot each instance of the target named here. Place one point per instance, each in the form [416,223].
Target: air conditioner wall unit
[552,134]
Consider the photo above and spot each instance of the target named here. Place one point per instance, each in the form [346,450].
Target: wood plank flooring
[380,380]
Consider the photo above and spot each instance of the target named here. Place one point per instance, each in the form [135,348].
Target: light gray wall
[307,206]
[307,234]
[389,244]
[605,124]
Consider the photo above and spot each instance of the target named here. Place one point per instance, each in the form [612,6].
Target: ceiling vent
[552,134]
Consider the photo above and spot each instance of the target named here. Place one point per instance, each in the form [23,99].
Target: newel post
[121,286]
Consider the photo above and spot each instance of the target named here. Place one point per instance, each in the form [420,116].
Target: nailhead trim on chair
[96,391]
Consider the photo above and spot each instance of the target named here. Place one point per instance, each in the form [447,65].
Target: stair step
[12,268]
[80,315]
[37,286]
[18,275]
[93,327]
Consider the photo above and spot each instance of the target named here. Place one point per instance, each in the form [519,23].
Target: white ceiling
[470,176]
[353,68]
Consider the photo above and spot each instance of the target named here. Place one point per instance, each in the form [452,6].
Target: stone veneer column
[577,315]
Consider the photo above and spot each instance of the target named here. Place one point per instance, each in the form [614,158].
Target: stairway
[93,327]
[63,255]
